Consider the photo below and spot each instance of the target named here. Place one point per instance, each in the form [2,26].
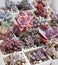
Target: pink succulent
[24,21]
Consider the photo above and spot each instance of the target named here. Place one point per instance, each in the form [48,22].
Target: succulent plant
[10,46]
[15,58]
[24,5]
[36,55]
[40,8]
[11,5]
[6,17]
[31,38]
[24,21]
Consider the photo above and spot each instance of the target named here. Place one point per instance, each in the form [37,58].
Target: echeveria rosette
[10,46]
[11,5]
[6,17]
[24,21]
[36,56]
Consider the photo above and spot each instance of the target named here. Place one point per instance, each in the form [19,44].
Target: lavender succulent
[31,38]
[37,55]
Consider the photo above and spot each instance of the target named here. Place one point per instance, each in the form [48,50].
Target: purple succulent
[11,45]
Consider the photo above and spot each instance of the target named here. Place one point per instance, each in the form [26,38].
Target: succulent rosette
[36,56]
[6,17]
[10,46]
[11,5]
[24,21]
